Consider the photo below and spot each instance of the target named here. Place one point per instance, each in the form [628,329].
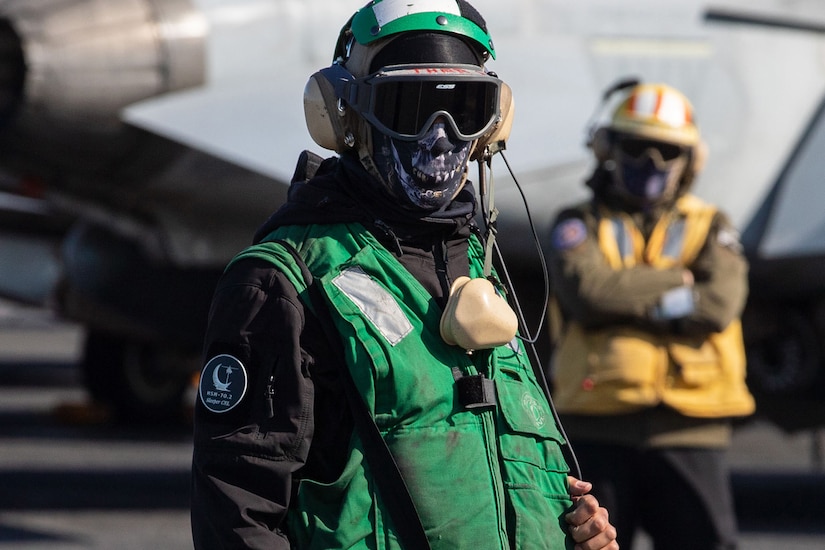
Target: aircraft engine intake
[67,69]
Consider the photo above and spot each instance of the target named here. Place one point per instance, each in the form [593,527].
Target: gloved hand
[676,303]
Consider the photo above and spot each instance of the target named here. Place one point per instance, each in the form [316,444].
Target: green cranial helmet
[383,18]
[383,55]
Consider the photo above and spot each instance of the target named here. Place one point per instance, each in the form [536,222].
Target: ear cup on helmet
[601,144]
[500,132]
[327,125]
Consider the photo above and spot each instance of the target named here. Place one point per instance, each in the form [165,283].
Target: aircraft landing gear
[785,358]
[138,382]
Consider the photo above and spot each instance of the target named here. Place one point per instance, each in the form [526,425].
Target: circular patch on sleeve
[223,383]
[569,234]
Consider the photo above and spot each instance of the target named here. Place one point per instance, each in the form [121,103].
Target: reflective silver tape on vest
[674,240]
[623,239]
[375,303]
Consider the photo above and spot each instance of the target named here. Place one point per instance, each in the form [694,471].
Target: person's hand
[589,523]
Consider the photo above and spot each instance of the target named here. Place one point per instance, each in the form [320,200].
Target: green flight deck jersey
[482,476]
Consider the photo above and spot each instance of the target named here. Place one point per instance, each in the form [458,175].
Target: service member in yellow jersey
[648,367]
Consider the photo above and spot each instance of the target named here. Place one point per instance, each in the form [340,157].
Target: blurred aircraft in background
[143,141]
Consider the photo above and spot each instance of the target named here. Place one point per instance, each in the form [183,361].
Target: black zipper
[440,258]
[270,397]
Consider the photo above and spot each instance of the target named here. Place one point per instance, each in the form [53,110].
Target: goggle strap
[341,80]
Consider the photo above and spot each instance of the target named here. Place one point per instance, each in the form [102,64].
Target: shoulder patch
[569,234]
[223,383]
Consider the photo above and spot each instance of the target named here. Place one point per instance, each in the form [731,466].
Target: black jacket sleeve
[247,460]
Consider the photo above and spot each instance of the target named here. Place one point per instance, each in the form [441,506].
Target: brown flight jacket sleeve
[592,293]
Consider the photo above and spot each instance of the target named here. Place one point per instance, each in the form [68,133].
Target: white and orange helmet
[658,112]
[656,122]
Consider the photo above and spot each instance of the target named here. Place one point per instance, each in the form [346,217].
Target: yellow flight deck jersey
[622,369]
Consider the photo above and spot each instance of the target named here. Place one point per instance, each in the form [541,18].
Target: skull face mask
[648,172]
[648,184]
[428,172]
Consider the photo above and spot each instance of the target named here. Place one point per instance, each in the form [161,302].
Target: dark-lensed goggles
[638,148]
[403,102]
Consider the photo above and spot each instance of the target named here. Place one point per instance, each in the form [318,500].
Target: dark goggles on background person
[638,148]
[403,102]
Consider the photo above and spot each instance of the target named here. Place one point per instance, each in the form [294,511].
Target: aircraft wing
[258,127]
[791,223]
[249,111]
